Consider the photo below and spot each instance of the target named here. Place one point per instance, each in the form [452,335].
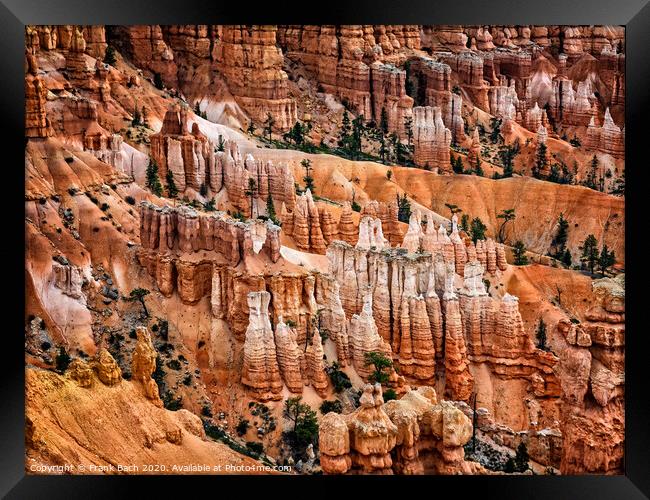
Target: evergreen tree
[454,209]
[383,122]
[400,151]
[380,363]
[477,229]
[541,161]
[305,423]
[606,259]
[592,174]
[566,258]
[558,244]
[464,223]
[138,294]
[137,117]
[357,136]
[519,252]
[270,209]
[172,190]
[203,189]
[590,252]
[541,335]
[250,192]
[251,128]
[507,154]
[153,181]
[62,360]
[507,216]
[157,81]
[521,458]
[495,134]
[478,170]
[618,187]
[403,208]
[308,179]
[383,148]
[408,128]
[567,177]
[458,167]
[268,125]
[346,131]
[109,56]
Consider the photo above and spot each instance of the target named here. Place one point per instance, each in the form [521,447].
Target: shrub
[46,346]
[174,364]
[206,411]
[130,200]
[380,362]
[171,403]
[329,406]
[242,426]
[63,360]
[157,81]
[389,395]
[519,252]
[339,379]
[305,423]
[187,380]
[109,56]
[255,447]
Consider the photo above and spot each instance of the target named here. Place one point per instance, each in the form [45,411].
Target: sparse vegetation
[138,294]
[304,430]
[153,181]
[62,360]
[339,379]
[540,335]
[519,252]
[477,229]
[331,406]
[381,364]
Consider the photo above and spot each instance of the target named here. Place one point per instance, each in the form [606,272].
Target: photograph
[325,250]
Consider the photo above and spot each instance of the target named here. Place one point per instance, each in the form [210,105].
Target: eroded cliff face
[592,379]
[252,286]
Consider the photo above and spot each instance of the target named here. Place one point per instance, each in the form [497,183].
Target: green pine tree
[109,56]
[589,254]
[541,335]
[477,229]
[172,190]
[519,252]
[153,181]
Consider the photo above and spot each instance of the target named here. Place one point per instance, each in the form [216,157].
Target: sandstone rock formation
[592,378]
[36,123]
[107,368]
[183,230]
[288,355]
[144,364]
[305,224]
[361,440]
[260,372]
[316,365]
[251,63]
[431,139]
[608,139]
[458,379]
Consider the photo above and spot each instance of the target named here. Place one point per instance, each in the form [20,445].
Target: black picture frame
[634,14]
